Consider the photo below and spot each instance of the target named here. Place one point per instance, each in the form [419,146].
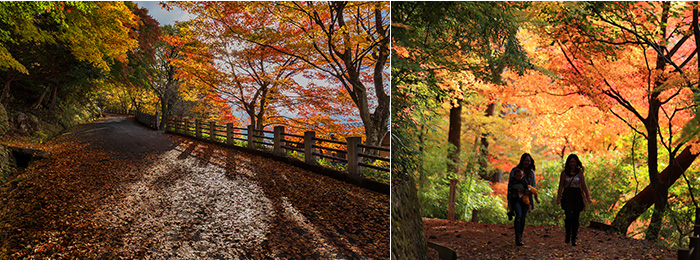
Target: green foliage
[4,123]
[376,175]
[331,164]
[607,180]
[72,114]
[473,194]
[547,212]
[484,31]
[295,155]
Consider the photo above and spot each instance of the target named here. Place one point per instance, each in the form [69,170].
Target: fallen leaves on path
[188,200]
[492,241]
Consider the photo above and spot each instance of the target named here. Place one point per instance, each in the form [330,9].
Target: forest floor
[492,241]
[112,189]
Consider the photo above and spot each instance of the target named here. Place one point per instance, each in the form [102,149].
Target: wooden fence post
[353,158]
[185,129]
[198,128]
[229,133]
[309,142]
[212,131]
[251,135]
[451,202]
[278,139]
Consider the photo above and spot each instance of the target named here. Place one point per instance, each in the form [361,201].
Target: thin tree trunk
[454,138]
[163,113]
[5,90]
[484,148]
[41,99]
[54,94]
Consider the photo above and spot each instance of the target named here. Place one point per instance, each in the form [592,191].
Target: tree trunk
[41,99]
[5,91]
[484,148]
[454,137]
[54,95]
[407,231]
[644,199]
[652,126]
[163,113]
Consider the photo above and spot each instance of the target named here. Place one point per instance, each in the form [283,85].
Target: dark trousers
[520,209]
[571,222]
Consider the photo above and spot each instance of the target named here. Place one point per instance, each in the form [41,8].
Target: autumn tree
[162,73]
[131,77]
[252,78]
[634,60]
[346,41]
[442,50]
[93,35]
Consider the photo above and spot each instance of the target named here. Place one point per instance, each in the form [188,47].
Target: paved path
[114,189]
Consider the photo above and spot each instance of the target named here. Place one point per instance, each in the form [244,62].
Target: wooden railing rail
[352,153]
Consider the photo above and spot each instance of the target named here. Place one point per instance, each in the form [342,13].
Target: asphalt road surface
[115,189]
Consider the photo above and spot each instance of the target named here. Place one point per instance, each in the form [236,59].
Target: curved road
[114,189]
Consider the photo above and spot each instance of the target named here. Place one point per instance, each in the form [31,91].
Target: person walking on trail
[519,185]
[573,195]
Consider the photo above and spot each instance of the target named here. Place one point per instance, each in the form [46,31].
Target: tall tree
[632,60]
[131,77]
[95,34]
[346,41]
[439,47]
[163,80]
[250,77]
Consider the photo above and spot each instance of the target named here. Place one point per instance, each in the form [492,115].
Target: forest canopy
[613,82]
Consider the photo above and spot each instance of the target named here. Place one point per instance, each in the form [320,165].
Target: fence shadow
[317,216]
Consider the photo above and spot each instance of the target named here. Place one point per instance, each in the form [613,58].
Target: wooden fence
[352,154]
[693,250]
[153,121]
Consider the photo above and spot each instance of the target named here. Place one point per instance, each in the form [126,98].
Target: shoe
[566,241]
[519,240]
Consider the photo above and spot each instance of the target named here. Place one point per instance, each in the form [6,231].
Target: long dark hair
[522,159]
[579,165]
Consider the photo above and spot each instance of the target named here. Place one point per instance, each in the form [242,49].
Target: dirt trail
[493,241]
[113,189]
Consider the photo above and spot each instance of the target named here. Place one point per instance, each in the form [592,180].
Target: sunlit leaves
[346,44]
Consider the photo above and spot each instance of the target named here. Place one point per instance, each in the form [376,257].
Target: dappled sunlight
[312,216]
[316,237]
[184,209]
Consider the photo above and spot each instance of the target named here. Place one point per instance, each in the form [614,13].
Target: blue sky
[163,16]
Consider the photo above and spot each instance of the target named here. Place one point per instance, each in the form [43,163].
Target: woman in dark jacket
[515,204]
[573,195]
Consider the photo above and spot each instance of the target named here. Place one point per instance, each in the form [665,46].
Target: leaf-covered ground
[114,190]
[490,241]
